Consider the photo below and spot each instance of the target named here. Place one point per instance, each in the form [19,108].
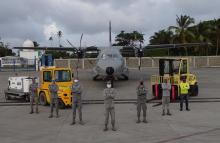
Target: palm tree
[51,40]
[59,34]
[181,30]
[162,37]
[216,30]
[136,37]
[201,32]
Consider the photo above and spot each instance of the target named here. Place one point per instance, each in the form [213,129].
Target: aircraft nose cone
[109,70]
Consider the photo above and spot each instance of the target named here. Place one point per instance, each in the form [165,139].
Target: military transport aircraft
[110,64]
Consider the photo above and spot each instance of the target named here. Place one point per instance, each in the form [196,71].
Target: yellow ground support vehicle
[63,77]
[175,68]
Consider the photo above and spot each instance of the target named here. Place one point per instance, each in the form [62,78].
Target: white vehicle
[18,87]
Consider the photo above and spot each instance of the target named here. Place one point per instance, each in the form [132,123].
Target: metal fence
[88,63]
[16,65]
[133,62]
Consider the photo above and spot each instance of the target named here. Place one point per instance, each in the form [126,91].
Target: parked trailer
[18,88]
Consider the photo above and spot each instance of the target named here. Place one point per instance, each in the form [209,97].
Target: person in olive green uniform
[184,94]
[76,92]
[33,96]
[53,89]
[141,101]
[109,96]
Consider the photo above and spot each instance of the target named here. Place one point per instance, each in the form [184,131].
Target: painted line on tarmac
[119,101]
[187,136]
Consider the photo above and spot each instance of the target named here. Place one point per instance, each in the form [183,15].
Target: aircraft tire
[42,99]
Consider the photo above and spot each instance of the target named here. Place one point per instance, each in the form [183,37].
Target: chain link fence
[17,64]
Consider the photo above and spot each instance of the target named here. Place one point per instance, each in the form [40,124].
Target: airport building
[31,55]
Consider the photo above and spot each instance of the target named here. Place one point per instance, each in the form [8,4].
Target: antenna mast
[110,34]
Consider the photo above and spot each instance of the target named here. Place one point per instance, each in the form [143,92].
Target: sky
[39,19]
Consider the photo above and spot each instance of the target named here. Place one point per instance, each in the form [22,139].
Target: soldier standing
[53,89]
[76,92]
[109,95]
[33,96]
[166,87]
[141,101]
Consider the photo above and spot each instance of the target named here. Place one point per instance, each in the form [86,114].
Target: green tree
[128,39]
[36,44]
[162,37]
[200,32]
[5,51]
[181,30]
[59,54]
[216,31]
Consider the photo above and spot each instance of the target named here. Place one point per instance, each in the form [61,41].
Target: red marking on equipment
[173,92]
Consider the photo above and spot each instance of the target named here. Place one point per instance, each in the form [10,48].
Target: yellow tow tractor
[63,77]
[175,68]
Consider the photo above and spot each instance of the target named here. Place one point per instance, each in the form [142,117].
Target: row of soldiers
[54,103]
[109,96]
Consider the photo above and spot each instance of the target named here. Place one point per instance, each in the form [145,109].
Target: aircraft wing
[48,48]
[88,51]
[165,46]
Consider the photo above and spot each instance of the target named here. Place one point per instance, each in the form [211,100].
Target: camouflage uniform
[53,89]
[141,102]
[33,96]
[76,92]
[109,95]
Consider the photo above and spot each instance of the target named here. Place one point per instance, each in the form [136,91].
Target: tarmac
[200,125]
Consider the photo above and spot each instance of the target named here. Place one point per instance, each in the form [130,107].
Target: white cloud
[37,19]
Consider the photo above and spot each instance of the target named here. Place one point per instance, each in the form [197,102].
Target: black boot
[138,121]
[73,123]
[113,127]
[106,128]
[51,116]
[163,113]
[168,113]
[144,120]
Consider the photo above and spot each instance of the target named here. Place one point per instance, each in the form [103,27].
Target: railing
[28,65]
[156,79]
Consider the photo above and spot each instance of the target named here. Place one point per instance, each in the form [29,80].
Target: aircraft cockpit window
[104,56]
[176,65]
[114,56]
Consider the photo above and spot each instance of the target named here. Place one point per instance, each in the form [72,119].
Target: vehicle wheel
[112,83]
[27,98]
[95,78]
[125,77]
[195,90]
[42,99]
[61,104]
[7,97]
